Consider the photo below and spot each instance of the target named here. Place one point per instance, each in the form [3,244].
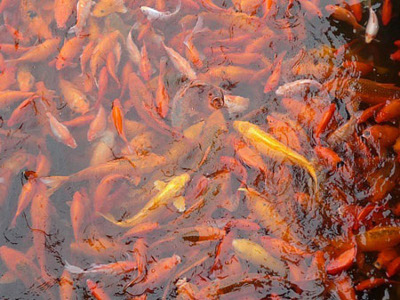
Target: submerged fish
[154,15]
[372,25]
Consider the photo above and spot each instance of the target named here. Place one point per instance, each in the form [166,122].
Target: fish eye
[32,14]
[217,102]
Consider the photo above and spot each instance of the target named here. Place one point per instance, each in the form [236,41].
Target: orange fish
[102,85]
[62,11]
[25,79]
[387,11]
[39,52]
[27,193]
[105,45]
[106,7]
[118,119]
[74,97]
[145,66]
[41,211]
[66,284]
[162,97]
[96,291]
[274,78]
[113,63]
[20,265]
[69,51]
[77,212]
[157,273]
[356,9]
[86,55]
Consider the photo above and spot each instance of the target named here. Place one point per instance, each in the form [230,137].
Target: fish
[163,197]
[98,125]
[387,12]
[297,87]
[181,64]
[62,11]
[155,15]
[256,254]
[129,166]
[372,26]
[342,14]
[133,50]
[69,51]
[116,268]
[104,8]
[83,9]
[268,145]
[39,53]
[75,98]
[61,132]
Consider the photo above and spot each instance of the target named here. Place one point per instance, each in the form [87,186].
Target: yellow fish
[171,191]
[268,145]
[106,7]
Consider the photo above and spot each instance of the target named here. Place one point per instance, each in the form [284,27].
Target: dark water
[309,43]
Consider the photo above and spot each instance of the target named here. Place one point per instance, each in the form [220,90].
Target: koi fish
[69,51]
[268,145]
[155,15]
[62,11]
[171,190]
[83,8]
[297,87]
[75,98]
[98,125]
[61,132]
[133,50]
[39,52]
[127,166]
[106,7]
[387,12]
[257,255]
[342,14]
[372,25]
[117,268]
[181,64]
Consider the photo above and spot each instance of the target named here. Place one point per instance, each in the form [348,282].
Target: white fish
[133,50]
[372,25]
[296,87]
[181,64]
[82,13]
[111,268]
[153,14]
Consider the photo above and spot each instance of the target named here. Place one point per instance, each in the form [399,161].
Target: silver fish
[297,87]
[154,15]
[372,25]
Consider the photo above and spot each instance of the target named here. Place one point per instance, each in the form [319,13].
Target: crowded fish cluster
[240,149]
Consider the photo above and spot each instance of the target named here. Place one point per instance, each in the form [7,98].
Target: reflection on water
[218,149]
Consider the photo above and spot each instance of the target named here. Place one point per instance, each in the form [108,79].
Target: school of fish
[199,149]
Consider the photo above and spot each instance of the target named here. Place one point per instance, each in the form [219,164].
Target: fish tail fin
[73,269]
[108,217]
[73,30]
[14,221]
[54,182]
[178,7]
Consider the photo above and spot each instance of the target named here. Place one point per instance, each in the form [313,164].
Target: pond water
[236,149]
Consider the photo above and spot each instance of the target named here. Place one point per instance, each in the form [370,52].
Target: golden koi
[165,196]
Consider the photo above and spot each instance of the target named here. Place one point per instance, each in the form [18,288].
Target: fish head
[194,102]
